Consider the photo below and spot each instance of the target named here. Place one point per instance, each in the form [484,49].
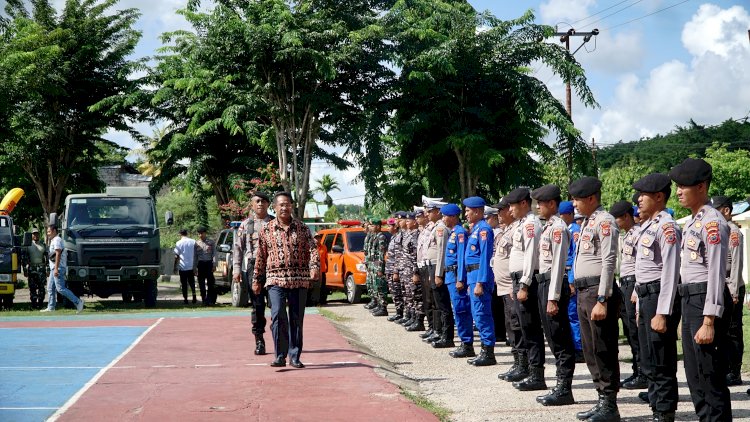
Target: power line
[645,16]
[601,11]
[612,14]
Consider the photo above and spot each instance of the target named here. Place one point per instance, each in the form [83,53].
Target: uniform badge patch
[698,224]
[586,245]
[712,233]
[646,252]
[592,223]
[440,232]
[693,255]
[529,229]
[483,235]
[691,243]
[606,228]
[557,235]
[576,235]
[670,236]
[473,248]
[734,239]
[461,238]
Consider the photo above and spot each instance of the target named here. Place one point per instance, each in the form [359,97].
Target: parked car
[346,260]
[223,273]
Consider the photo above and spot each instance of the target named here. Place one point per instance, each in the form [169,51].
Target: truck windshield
[110,211]
[6,235]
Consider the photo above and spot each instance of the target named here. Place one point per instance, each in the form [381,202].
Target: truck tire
[353,291]
[240,295]
[6,302]
[127,297]
[149,293]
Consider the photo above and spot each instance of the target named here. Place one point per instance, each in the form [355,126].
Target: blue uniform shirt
[479,252]
[454,253]
[575,232]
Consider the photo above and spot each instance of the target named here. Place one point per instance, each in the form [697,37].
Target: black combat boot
[418,324]
[486,357]
[522,371]
[561,394]
[397,316]
[433,338]
[446,337]
[663,417]
[408,318]
[588,413]
[465,350]
[608,412]
[260,345]
[734,377]
[638,382]
[380,311]
[534,382]
[427,333]
[516,361]
[371,304]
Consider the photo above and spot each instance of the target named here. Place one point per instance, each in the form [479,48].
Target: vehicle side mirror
[169,218]
[26,239]
[225,248]
[337,249]
[53,219]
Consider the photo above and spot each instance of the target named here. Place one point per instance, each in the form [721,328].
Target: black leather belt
[543,278]
[586,282]
[627,279]
[472,267]
[451,268]
[652,287]
[516,276]
[690,289]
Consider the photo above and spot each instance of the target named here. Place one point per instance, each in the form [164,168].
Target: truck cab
[112,241]
[9,262]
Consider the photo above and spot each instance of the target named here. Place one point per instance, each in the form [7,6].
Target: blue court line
[43,367]
[94,316]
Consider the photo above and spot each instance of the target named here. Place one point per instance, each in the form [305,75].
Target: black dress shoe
[279,362]
[297,364]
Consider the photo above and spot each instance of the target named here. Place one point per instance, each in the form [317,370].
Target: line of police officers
[436,269]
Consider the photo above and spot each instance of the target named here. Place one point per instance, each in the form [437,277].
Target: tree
[58,67]
[466,99]
[731,171]
[327,184]
[617,182]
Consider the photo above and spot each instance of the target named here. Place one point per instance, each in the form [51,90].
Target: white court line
[212,365]
[78,327]
[164,366]
[256,364]
[28,408]
[71,401]
[345,363]
[41,368]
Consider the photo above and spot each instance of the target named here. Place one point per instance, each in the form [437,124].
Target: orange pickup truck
[346,259]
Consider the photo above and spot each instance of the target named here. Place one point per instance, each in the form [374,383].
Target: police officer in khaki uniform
[736,285]
[704,292]
[435,262]
[493,219]
[426,261]
[205,256]
[598,299]
[244,252]
[524,265]
[623,212]
[554,294]
[657,274]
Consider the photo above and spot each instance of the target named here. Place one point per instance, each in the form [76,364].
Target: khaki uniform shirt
[422,241]
[628,250]
[501,259]
[205,250]
[245,248]
[734,260]
[553,252]
[658,258]
[435,252]
[524,255]
[596,252]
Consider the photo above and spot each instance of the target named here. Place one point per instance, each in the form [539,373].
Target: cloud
[712,86]
[351,192]
[555,11]
[613,54]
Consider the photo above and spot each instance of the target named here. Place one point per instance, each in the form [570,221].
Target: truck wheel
[149,293]
[127,297]
[7,302]
[353,291]
[240,295]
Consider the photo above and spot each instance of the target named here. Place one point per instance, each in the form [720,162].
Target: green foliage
[327,184]
[183,205]
[617,182]
[731,171]
[332,215]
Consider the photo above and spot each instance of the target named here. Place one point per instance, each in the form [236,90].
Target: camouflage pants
[412,294]
[379,287]
[37,285]
[396,289]
[369,285]
[406,290]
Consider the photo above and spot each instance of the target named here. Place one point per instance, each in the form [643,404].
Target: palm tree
[327,184]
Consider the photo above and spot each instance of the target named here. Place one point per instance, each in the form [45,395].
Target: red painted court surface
[198,369]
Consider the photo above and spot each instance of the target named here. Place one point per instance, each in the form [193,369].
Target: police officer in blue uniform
[567,213]
[479,278]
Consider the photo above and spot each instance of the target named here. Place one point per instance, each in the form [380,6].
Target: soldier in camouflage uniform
[394,249]
[367,247]
[36,270]
[408,274]
[376,268]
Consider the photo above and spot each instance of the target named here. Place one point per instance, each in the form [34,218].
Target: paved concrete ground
[476,394]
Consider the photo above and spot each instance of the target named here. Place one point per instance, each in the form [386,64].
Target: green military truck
[9,262]
[112,242]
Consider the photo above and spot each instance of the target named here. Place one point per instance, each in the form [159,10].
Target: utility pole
[565,38]
[593,154]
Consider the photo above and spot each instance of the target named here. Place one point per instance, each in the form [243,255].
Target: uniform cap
[34,230]
[410,216]
[262,195]
[546,193]
[654,182]
[474,202]
[636,195]
[566,207]
[670,211]
[585,187]
[490,210]
[201,229]
[418,211]
[621,208]
[374,220]
[503,204]
[391,221]
[517,195]
[691,172]
[433,205]
[450,210]
[721,201]
[636,211]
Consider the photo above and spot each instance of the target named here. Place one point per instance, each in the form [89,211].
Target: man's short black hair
[287,194]
[183,232]
[52,226]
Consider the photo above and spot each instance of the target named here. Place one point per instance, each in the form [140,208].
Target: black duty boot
[734,377]
[427,333]
[371,304]
[397,316]
[446,339]
[663,417]
[534,382]
[486,357]
[260,345]
[516,361]
[433,338]
[418,324]
[640,382]
[588,413]
[608,412]
[643,395]
[465,350]
[522,371]
[380,311]
[407,319]
[561,394]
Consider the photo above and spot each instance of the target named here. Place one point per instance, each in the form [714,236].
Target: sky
[654,65]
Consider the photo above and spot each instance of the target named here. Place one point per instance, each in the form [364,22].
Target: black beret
[517,195]
[621,208]
[585,187]
[546,193]
[262,195]
[410,216]
[691,172]
[636,195]
[654,182]
[201,229]
[721,201]
[503,204]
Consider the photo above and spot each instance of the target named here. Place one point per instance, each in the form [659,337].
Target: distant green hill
[662,152]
